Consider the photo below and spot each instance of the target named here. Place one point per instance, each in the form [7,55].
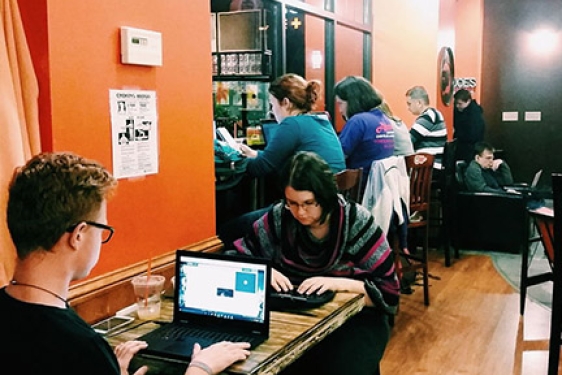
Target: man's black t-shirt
[38,339]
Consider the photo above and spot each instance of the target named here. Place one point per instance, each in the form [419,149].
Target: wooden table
[291,334]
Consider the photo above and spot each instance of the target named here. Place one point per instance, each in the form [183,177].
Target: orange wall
[314,41]
[468,46]
[157,213]
[349,60]
[407,38]
[405,50]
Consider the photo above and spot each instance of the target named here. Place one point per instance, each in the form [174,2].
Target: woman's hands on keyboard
[280,282]
[318,285]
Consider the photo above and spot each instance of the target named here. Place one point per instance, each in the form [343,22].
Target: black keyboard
[177,332]
[295,300]
[205,337]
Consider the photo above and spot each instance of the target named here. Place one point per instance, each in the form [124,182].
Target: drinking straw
[147,281]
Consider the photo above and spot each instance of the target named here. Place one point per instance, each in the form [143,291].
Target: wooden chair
[420,170]
[349,182]
[556,312]
[543,219]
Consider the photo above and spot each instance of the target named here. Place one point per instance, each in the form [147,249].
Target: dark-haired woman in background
[368,134]
[318,241]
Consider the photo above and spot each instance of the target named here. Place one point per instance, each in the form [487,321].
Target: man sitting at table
[486,174]
[318,241]
[57,217]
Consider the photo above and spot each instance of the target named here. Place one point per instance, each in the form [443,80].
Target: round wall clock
[446,75]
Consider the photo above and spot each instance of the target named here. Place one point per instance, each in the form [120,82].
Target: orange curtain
[19,124]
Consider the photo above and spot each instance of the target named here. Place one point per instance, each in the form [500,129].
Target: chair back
[420,170]
[545,228]
[460,170]
[448,161]
[556,312]
[349,183]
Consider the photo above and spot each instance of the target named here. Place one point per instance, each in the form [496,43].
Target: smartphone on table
[112,324]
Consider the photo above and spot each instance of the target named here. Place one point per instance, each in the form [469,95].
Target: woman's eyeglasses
[107,232]
[294,206]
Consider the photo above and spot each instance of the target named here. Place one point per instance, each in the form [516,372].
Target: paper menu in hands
[224,134]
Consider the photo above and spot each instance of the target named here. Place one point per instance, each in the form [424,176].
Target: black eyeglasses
[107,230]
[294,206]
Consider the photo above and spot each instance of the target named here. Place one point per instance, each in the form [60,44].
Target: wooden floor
[472,326]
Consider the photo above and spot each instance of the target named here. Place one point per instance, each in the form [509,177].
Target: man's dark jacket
[468,130]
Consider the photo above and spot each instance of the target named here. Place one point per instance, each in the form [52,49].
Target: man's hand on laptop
[215,358]
[125,352]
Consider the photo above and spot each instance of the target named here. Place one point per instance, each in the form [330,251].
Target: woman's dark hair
[306,171]
[303,94]
[359,94]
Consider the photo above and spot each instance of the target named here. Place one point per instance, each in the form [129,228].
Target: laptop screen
[230,289]
[269,128]
[536,179]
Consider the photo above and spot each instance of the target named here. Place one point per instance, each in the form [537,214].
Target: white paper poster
[134,124]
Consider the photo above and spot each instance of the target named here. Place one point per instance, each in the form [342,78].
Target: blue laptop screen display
[222,288]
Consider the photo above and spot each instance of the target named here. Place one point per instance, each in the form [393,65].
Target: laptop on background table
[531,190]
[216,298]
[536,179]
[525,187]
[268,128]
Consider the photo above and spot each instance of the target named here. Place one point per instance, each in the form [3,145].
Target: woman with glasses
[318,242]
[57,217]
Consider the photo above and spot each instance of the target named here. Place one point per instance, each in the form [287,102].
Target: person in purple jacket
[368,133]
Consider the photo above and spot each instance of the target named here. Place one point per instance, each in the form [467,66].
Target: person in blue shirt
[368,134]
[292,98]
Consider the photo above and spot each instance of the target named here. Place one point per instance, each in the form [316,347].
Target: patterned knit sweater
[356,248]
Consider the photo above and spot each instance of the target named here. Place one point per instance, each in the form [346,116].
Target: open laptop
[531,190]
[268,128]
[536,179]
[216,298]
[525,187]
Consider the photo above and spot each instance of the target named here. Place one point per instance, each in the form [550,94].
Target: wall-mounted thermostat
[141,47]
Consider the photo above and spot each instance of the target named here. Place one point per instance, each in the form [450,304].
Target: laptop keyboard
[179,333]
[295,300]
